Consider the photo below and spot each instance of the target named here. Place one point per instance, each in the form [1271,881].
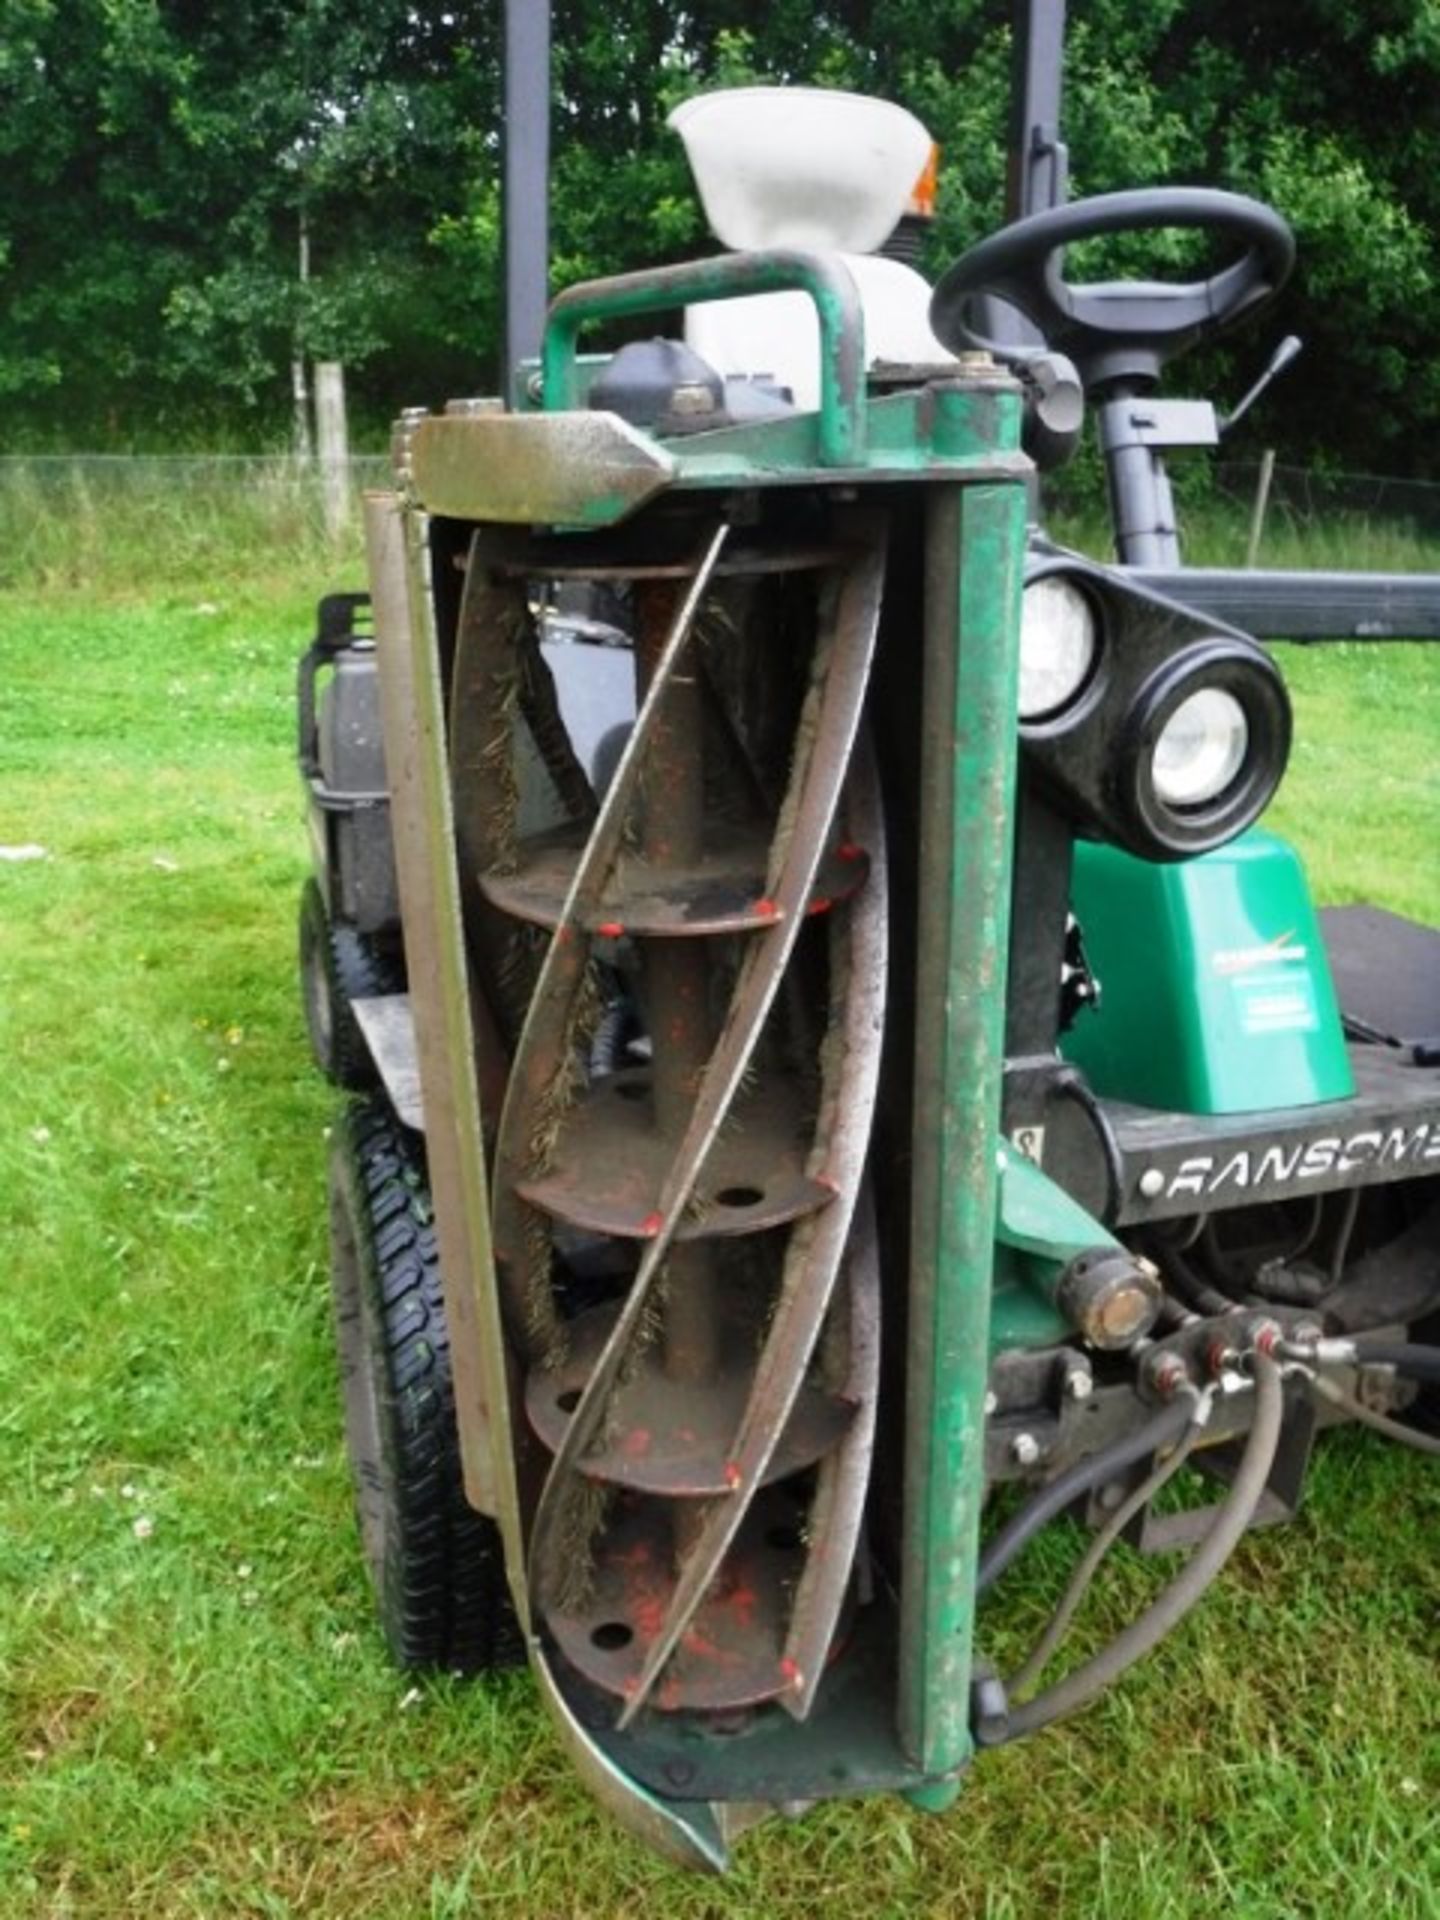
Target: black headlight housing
[1094,756]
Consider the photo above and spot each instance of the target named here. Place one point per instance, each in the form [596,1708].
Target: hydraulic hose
[1368,1417]
[1072,1084]
[1191,1286]
[1043,1651]
[1070,1486]
[1415,1362]
[1079,1688]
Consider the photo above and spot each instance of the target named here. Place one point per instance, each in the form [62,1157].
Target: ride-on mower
[857,1065]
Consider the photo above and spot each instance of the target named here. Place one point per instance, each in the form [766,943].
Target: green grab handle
[824,277]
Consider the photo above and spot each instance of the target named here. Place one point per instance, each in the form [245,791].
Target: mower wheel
[1425,1413]
[338,966]
[436,1565]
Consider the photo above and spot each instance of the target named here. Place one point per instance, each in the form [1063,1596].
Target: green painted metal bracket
[824,277]
[1037,1217]
[975,539]
[1097,1286]
[928,433]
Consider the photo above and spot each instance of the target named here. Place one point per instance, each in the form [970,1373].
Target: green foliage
[173,155]
[163,155]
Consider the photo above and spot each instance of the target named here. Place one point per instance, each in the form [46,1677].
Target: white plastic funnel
[801,166]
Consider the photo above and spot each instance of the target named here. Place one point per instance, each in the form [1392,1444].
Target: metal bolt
[1025,1449]
[992,1404]
[1152,1183]
[1079,1383]
[402,436]
[1219,1356]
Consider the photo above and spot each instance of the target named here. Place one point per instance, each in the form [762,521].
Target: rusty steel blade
[837,693]
[665,1438]
[540,1053]
[692,1834]
[492,617]
[730,1658]
[837,1510]
[540,704]
[813,1263]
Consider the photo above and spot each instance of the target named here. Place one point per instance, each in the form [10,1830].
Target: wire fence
[1308,495]
[92,519]
[48,479]
[124,467]
[103,517]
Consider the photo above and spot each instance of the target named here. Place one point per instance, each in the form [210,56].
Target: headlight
[1057,645]
[1201,748]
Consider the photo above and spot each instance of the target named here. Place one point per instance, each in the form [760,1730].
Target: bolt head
[1152,1183]
[1219,1355]
[1025,1449]
[1079,1383]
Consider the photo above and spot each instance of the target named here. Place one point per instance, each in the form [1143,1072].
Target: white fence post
[333,445]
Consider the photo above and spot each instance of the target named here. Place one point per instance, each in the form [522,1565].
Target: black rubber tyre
[437,1566]
[338,966]
[1425,1413]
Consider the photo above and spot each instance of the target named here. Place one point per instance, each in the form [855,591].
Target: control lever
[1054,406]
[1283,356]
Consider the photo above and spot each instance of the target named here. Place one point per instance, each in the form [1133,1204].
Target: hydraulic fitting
[1110,1296]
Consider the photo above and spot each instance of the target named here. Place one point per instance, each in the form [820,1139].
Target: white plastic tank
[815,168]
[801,166]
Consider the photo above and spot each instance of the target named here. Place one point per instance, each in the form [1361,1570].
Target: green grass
[196,1716]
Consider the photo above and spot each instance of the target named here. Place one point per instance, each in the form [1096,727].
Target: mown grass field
[196,1716]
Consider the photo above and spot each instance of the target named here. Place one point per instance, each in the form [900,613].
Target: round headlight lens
[1057,645]
[1201,748]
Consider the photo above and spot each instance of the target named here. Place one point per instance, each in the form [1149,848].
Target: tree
[172,155]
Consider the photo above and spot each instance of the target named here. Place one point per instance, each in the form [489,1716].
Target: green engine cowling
[1216,992]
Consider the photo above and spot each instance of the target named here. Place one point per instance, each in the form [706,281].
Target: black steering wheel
[1121,331]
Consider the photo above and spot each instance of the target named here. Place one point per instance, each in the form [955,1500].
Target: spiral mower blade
[708,1428]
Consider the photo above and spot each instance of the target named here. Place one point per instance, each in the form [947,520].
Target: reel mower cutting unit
[813,1098]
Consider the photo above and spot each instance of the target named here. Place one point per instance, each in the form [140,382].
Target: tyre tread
[443,1598]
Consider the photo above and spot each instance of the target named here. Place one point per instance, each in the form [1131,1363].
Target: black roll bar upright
[1037,166]
[1037,176]
[525,189]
